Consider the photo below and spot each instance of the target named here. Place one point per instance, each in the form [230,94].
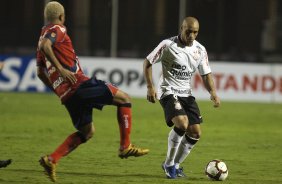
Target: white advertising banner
[233,81]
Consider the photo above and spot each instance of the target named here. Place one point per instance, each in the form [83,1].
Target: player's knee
[181,122]
[86,134]
[126,98]
[194,131]
[123,97]
[179,131]
[197,136]
[90,134]
[183,126]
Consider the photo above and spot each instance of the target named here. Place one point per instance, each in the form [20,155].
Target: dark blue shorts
[90,94]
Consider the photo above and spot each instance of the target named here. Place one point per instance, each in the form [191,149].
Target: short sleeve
[204,67]
[157,53]
[51,35]
[55,34]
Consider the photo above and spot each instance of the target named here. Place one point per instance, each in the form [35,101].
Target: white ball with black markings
[216,170]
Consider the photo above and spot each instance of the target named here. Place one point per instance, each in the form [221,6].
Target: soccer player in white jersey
[180,57]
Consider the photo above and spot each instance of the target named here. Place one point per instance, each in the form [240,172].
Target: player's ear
[181,28]
[61,17]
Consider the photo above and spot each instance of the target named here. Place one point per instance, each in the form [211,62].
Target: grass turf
[247,136]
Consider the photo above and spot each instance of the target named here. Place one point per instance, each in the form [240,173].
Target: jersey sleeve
[204,67]
[157,53]
[55,34]
[51,35]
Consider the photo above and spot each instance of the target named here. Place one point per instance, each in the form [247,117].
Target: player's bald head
[189,30]
[190,22]
[53,10]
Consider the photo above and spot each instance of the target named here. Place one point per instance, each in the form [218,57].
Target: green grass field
[247,136]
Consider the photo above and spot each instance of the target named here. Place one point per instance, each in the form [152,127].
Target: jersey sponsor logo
[178,72]
[57,82]
[179,67]
[181,91]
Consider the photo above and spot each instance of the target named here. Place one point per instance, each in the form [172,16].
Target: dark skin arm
[151,92]
[209,84]
[43,76]
[46,47]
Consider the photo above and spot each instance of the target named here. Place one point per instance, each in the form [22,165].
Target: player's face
[189,33]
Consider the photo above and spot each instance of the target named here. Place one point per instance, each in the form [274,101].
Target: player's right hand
[216,100]
[151,95]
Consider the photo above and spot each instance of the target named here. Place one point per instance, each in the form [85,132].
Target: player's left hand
[68,75]
[216,101]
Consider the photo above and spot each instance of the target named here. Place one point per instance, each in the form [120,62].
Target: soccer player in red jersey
[58,67]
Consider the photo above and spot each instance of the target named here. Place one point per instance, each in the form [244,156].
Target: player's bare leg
[49,162]
[123,103]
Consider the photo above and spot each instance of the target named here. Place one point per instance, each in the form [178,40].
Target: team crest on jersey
[53,34]
[196,54]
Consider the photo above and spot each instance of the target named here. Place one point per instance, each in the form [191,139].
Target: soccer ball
[216,170]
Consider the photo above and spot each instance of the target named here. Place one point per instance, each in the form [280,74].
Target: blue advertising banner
[19,74]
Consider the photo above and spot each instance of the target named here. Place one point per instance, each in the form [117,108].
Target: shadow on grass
[113,175]
[34,172]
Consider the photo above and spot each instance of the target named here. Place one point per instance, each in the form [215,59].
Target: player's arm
[147,70]
[43,76]
[46,47]
[209,84]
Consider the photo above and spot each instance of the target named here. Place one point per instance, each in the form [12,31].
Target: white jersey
[179,63]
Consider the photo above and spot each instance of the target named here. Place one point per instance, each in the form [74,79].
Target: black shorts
[175,106]
[90,94]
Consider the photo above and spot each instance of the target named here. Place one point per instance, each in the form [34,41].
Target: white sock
[173,143]
[183,151]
